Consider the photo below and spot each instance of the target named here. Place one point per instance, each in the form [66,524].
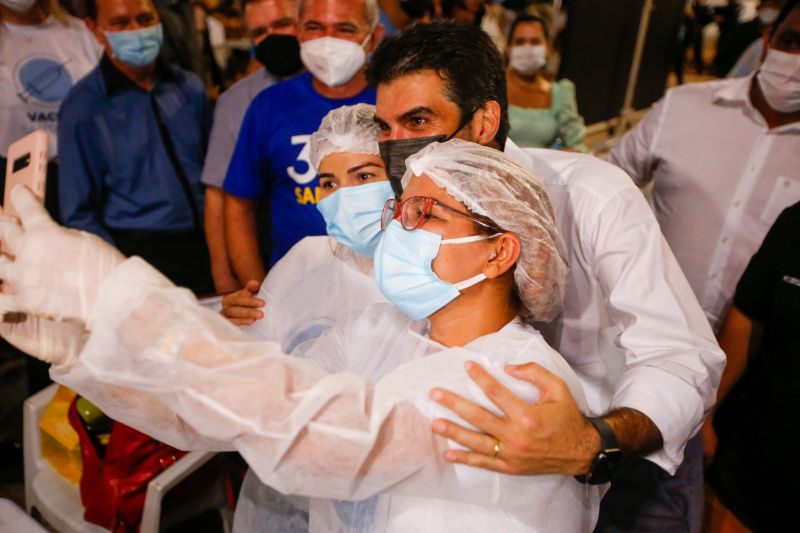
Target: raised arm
[301,429]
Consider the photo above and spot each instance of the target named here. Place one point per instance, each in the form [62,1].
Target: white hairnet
[491,184]
[345,129]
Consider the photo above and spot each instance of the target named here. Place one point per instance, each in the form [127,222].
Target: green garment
[559,126]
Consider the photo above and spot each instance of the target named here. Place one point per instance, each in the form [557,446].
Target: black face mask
[280,54]
[395,152]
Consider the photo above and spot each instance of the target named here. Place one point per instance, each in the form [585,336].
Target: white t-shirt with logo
[38,66]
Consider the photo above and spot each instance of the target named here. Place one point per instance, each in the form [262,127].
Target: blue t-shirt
[272,158]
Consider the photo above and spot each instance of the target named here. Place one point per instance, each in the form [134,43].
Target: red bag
[113,487]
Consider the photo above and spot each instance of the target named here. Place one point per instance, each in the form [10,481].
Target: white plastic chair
[13,518]
[58,501]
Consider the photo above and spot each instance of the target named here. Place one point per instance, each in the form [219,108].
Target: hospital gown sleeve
[302,430]
[140,410]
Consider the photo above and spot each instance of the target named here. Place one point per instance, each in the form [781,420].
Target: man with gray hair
[271,158]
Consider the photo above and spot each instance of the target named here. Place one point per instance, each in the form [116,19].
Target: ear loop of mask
[470,238]
[477,278]
[394,152]
[461,125]
[370,35]
[469,282]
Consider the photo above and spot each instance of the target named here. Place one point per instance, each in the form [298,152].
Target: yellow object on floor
[60,445]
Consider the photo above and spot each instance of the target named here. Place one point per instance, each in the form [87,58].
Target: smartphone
[27,165]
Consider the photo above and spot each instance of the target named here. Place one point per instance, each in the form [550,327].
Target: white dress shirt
[630,328]
[721,178]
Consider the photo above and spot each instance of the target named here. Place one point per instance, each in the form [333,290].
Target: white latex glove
[56,272]
[52,341]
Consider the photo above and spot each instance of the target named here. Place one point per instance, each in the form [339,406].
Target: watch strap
[608,440]
[606,459]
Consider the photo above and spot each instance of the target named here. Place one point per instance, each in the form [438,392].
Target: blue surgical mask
[404,270]
[137,48]
[353,215]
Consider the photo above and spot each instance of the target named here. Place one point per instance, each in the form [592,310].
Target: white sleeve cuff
[671,403]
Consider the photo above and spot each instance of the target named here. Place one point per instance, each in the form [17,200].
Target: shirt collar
[115,81]
[518,154]
[738,93]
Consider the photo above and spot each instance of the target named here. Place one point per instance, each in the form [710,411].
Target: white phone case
[27,165]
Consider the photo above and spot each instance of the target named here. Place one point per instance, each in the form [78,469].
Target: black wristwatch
[607,459]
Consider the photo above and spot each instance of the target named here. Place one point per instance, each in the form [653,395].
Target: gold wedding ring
[496,448]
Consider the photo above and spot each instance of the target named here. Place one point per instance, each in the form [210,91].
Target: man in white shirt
[631,327]
[723,157]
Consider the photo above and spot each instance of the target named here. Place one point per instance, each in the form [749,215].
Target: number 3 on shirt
[309,175]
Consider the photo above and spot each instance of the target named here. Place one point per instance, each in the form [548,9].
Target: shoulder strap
[176,164]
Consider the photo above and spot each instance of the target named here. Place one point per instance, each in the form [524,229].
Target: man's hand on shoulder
[549,437]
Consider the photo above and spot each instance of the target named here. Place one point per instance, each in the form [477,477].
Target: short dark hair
[91,9]
[525,17]
[462,54]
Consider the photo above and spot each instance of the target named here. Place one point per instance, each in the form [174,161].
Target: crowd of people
[438,312]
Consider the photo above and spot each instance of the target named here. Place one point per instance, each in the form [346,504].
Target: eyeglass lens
[389,210]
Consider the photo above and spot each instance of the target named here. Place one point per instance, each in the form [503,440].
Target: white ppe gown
[333,436]
[316,284]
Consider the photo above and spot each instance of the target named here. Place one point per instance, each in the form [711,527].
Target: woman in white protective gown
[471,258]
[334,272]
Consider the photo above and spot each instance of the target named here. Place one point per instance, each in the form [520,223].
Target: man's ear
[377,37]
[485,123]
[504,256]
[95,30]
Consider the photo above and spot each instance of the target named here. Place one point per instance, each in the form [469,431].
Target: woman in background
[543,114]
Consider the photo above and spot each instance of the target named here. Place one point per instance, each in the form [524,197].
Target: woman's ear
[503,256]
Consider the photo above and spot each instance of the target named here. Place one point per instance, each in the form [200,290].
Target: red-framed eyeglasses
[413,212]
